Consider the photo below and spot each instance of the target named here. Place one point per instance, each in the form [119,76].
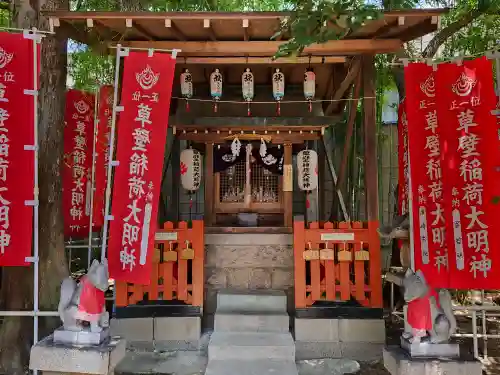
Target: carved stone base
[428,350]
[80,338]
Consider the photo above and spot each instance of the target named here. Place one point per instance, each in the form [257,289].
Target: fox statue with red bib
[84,302]
[429,313]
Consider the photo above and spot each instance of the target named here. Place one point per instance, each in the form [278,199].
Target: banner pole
[92,180]
[111,162]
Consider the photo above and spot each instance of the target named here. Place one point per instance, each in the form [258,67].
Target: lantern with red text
[309,86]
[278,88]
[247,87]
[191,169]
[186,86]
[216,87]
[307,170]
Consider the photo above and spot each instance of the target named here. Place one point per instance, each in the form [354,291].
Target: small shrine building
[258,218]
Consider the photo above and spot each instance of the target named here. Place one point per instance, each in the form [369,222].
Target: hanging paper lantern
[216,87]
[191,169]
[186,86]
[278,87]
[307,170]
[247,87]
[309,86]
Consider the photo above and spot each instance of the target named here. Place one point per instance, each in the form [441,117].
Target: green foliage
[89,70]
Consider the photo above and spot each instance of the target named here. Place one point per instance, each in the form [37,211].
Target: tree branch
[448,31]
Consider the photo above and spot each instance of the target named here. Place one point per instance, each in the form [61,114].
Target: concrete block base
[165,333]
[84,337]
[358,339]
[397,362]
[55,358]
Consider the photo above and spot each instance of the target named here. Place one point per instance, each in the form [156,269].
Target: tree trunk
[16,334]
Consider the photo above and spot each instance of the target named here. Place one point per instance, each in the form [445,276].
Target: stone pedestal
[61,336]
[428,350]
[57,358]
[398,362]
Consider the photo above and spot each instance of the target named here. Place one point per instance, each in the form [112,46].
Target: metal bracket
[30,147]
[33,35]
[109,217]
[123,51]
[31,92]
[31,259]
[119,108]
[115,163]
[32,203]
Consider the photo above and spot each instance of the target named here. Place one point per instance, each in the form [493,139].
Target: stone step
[230,321]
[265,300]
[252,367]
[251,345]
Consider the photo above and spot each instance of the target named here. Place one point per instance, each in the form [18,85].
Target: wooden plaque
[287,177]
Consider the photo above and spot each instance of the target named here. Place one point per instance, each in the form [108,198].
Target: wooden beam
[139,29]
[209,185]
[386,28]
[174,30]
[275,138]
[269,48]
[210,30]
[246,28]
[344,86]
[315,60]
[370,138]
[353,110]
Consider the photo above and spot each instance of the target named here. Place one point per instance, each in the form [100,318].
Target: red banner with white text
[426,181]
[105,113]
[145,97]
[77,167]
[17,111]
[403,168]
[470,159]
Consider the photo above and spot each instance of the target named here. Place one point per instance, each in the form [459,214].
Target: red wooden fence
[177,268]
[337,261]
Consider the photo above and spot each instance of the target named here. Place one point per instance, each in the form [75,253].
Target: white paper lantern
[247,85]
[216,84]
[309,84]
[191,169]
[307,170]
[186,84]
[278,85]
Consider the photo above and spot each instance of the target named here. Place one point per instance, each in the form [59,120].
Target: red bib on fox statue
[419,311]
[91,303]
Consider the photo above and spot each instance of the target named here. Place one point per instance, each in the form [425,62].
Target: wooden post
[370,138]
[209,184]
[176,174]
[288,195]
[371,178]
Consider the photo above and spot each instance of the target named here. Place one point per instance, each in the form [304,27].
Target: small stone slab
[84,337]
[430,350]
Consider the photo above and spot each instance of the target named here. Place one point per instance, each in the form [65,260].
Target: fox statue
[85,301]
[399,230]
[429,313]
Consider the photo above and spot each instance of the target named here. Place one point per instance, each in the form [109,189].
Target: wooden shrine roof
[209,34]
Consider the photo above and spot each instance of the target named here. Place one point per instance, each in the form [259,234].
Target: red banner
[426,182]
[146,93]
[102,153]
[77,168]
[403,168]
[470,159]
[17,113]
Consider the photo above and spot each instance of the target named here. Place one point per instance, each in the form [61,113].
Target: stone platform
[56,358]
[162,325]
[339,331]
[398,362]
[80,338]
